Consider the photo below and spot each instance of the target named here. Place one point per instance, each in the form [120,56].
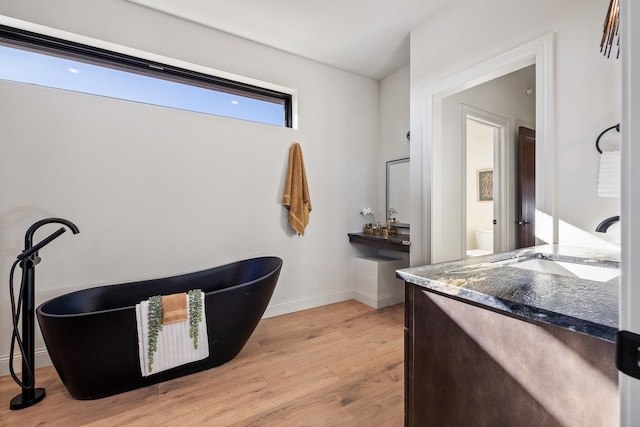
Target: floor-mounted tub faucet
[604,225]
[28,260]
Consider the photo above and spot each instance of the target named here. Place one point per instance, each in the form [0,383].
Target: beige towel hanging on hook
[296,191]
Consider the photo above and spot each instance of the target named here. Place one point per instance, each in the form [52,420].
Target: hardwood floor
[336,365]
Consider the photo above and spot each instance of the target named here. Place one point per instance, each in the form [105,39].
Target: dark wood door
[526,196]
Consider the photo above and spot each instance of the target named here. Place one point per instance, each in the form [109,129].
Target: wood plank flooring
[336,365]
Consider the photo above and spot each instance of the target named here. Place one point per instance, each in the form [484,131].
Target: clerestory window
[32,58]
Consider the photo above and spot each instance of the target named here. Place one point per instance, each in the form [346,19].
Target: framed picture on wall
[485,185]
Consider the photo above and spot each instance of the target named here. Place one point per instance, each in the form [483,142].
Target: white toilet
[484,242]
[484,239]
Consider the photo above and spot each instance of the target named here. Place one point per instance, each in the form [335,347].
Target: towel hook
[616,127]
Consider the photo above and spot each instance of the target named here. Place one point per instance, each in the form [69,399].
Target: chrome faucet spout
[604,225]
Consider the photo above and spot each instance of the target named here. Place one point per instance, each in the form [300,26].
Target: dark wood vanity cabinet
[467,365]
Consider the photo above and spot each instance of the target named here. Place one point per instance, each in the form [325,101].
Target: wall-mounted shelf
[397,242]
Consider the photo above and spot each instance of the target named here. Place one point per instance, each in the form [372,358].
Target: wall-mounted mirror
[398,191]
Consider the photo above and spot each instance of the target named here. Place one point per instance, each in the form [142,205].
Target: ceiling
[366,37]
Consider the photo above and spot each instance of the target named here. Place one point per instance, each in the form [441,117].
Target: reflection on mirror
[398,191]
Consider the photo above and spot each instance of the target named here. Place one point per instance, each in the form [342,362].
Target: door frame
[539,52]
[502,193]
[629,318]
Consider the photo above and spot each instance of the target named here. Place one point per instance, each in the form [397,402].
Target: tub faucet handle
[34,249]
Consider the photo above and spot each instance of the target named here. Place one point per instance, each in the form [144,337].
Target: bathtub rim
[41,312]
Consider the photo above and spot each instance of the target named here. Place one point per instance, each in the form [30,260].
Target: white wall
[394,125]
[586,97]
[157,191]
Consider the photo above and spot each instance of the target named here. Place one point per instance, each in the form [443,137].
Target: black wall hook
[616,127]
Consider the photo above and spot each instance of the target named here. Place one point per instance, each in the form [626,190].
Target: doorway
[486,168]
[501,103]
[436,182]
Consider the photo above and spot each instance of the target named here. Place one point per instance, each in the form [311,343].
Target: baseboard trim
[307,303]
[378,301]
[41,358]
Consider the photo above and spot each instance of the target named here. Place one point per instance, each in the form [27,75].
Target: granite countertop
[577,304]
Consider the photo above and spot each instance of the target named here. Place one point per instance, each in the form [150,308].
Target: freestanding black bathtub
[92,338]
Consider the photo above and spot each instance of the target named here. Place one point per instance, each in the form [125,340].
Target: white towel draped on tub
[174,345]
[609,178]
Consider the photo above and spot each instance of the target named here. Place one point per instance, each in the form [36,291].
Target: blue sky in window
[44,70]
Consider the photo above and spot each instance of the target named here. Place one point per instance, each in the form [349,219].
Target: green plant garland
[195,314]
[154,320]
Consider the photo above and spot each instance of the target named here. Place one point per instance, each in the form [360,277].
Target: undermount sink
[541,263]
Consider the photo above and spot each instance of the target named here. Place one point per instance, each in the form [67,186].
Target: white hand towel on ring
[609,177]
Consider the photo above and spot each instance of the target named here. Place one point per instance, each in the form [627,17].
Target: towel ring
[616,127]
